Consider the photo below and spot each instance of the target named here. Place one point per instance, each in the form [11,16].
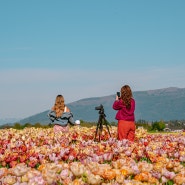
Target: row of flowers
[39,156]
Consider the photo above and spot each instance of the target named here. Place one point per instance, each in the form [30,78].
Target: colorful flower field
[37,156]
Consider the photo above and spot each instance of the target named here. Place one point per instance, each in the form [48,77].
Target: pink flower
[64,173]
[107,156]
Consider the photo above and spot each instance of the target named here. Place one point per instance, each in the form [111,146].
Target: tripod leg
[97,128]
[108,130]
[100,131]
[106,122]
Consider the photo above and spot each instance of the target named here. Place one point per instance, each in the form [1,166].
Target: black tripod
[101,121]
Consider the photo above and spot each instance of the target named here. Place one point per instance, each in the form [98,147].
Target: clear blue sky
[85,49]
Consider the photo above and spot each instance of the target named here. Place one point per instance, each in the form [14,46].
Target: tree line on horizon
[149,126]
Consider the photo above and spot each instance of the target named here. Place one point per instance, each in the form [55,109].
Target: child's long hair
[126,95]
[59,105]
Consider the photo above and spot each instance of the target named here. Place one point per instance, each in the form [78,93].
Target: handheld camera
[118,94]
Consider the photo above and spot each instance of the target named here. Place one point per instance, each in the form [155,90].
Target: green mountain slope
[153,105]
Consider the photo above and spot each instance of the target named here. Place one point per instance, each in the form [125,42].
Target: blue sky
[85,49]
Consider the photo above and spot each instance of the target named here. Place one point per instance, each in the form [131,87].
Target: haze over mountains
[152,105]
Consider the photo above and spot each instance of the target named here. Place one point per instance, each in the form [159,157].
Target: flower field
[37,156]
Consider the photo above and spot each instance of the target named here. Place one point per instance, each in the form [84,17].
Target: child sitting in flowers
[61,115]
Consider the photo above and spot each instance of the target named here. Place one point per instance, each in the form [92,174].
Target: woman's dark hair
[126,95]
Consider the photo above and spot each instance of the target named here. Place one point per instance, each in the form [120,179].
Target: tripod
[101,121]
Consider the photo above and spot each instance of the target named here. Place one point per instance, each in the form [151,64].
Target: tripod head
[101,110]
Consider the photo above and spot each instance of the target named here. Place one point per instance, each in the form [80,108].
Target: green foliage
[169,182]
[84,177]
[38,125]
[183,163]
[27,125]
[87,124]
[146,126]
[146,159]
[151,127]
[17,126]
[159,126]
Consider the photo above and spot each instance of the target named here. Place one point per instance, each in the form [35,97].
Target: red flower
[13,163]
[32,163]
[2,150]
[23,148]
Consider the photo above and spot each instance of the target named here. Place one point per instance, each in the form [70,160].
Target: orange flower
[152,180]
[179,179]
[162,159]
[77,182]
[22,158]
[41,167]
[158,166]
[124,172]
[144,177]
[109,174]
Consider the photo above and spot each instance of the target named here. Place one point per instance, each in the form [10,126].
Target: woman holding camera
[125,107]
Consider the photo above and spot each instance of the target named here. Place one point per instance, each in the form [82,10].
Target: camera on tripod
[100,108]
[101,121]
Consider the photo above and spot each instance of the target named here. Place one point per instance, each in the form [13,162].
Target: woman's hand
[67,109]
[117,98]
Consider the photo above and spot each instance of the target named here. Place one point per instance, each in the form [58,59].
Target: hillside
[153,105]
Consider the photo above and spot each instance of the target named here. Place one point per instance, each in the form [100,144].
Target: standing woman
[125,106]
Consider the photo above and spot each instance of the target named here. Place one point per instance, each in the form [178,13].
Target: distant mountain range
[152,105]
[8,120]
